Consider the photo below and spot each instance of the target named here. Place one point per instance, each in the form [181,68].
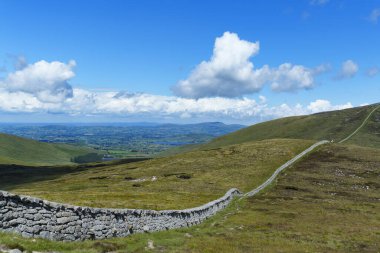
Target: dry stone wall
[33,217]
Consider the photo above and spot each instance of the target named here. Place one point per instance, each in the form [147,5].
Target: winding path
[364,122]
[66,222]
[284,166]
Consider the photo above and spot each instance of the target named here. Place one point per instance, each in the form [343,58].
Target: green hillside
[325,203]
[181,181]
[17,150]
[334,125]
[369,134]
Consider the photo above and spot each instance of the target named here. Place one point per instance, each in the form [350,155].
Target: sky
[185,61]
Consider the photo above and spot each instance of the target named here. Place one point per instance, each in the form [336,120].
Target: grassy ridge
[334,125]
[17,150]
[369,134]
[326,203]
[175,182]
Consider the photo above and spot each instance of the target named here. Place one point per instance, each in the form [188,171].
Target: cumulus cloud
[288,77]
[230,73]
[47,81]
[374,16]
[348,70]
[43,87]
[373,71]
[321,105]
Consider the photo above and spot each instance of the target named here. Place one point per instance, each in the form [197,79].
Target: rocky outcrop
[33,217]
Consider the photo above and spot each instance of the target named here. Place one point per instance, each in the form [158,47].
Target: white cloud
[323,68]
[47,81]
[288,77]
[374,16]
[348,70]
[319,2]
[229,72]
[373,71]
[43,87]
[150,107]
[24,102]
[321,105]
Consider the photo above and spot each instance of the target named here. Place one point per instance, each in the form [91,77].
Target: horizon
[185,62]
[109,123]
[148,123]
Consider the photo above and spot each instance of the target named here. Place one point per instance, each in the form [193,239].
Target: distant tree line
[87,158]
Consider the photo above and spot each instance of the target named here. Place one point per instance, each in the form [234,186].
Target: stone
[45,234]
[15,251]
[17,221]
[64,220]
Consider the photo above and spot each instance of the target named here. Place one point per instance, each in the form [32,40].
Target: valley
[121,140]
[336,184]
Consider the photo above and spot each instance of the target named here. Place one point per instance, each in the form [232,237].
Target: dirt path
[364,122]
[284,166]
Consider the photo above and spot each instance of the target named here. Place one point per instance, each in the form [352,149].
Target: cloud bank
[142,106]
[230,73]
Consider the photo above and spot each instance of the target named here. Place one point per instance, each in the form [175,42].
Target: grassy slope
[17,150]
[334,125]
[326,203]
[211,173]
[369,135]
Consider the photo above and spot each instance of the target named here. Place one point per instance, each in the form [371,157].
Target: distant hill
[17,150]
[333,125]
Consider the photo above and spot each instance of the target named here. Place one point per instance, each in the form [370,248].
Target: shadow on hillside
[12,176]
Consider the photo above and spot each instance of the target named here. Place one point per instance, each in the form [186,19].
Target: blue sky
[143,59]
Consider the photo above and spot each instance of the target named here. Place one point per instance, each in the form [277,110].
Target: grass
[334,125]
[176,182]
[325,203]
[369,134]
[17,150]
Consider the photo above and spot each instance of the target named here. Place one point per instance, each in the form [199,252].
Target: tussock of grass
[177,182]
